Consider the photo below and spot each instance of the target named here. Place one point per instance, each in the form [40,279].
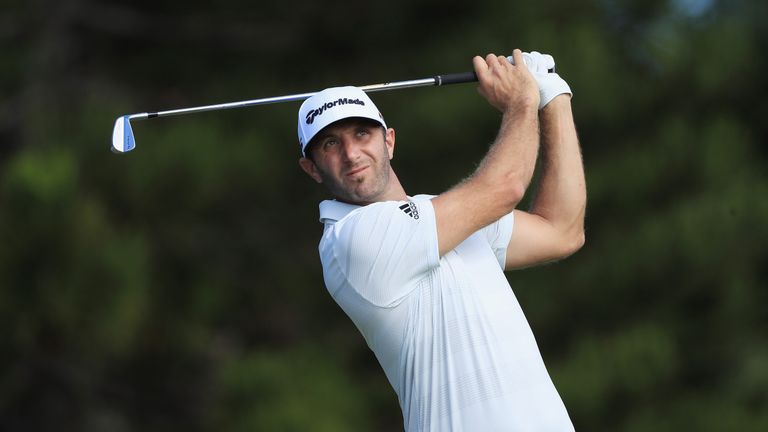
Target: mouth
[356,171]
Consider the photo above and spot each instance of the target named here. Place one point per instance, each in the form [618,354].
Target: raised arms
[529,98]
[502,177]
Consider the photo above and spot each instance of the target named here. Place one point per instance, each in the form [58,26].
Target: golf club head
[122,135]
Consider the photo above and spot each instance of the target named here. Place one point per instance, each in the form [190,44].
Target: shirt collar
[332,210]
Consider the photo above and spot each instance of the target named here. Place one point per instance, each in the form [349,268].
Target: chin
[364,197]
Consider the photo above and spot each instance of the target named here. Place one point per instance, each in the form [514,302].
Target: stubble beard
[363,190]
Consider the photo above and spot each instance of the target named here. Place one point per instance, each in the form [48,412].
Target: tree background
[178,287]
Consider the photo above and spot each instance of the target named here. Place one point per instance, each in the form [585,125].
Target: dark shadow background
[178,288]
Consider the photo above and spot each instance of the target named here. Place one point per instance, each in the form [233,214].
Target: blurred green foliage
[178,287]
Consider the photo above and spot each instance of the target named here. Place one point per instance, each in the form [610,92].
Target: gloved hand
[550,83]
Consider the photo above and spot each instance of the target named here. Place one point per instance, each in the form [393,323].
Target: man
[422,276]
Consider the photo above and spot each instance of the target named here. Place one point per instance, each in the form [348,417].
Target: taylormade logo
[311,114]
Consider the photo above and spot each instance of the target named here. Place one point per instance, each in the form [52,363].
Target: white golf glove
[550,83]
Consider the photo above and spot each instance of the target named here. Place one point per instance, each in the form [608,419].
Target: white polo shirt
[448,332]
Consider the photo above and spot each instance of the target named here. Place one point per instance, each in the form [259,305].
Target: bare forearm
[497,185]
[561,194]
[512,157]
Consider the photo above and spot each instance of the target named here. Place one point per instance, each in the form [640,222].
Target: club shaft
[424,82]
[437,80]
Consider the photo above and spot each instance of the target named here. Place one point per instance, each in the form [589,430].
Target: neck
[395,191]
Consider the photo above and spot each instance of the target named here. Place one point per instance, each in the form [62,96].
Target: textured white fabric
[448,332]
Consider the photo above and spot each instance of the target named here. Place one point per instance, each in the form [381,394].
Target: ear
[310,168]
[389,139]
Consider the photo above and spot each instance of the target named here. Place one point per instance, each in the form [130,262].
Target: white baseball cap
[334,104]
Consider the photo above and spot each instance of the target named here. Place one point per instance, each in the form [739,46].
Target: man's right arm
[502,177]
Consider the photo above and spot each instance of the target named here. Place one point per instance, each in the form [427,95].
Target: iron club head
[122,135]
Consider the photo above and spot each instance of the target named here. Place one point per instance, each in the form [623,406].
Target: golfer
[421,276]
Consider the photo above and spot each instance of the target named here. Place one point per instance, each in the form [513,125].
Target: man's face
[351,158]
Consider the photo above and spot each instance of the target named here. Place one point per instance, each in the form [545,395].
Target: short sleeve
[498,235]
[384,249]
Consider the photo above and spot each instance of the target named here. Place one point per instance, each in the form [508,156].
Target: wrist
[520,114]
[551,85]
[560,103]
[522,105]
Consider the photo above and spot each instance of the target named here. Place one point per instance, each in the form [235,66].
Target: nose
[350,150]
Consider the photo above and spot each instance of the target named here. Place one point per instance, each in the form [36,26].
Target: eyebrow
[321,136]
[326,134]
[356,124]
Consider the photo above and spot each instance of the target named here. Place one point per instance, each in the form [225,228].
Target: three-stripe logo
[410,209]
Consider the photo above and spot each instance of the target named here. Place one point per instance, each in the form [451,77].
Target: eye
[363,132]
[328,143]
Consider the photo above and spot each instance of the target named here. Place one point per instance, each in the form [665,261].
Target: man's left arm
[553,228]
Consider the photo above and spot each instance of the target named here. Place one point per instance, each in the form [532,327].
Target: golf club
[122,135]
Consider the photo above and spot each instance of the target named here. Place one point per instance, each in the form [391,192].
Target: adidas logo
[410,209]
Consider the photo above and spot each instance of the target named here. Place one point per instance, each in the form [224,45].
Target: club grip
[455,78]
[465,77]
